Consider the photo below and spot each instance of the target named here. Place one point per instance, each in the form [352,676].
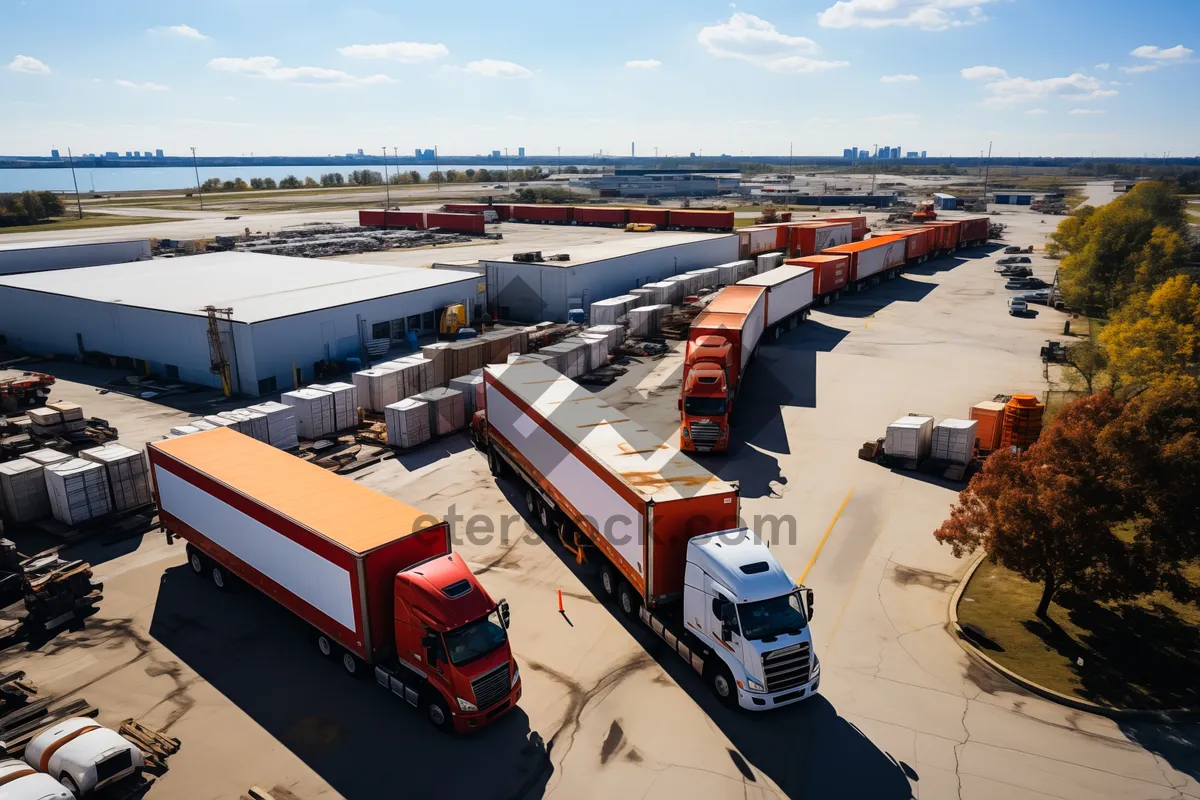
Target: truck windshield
[767,619]
[704,406]
[475,639]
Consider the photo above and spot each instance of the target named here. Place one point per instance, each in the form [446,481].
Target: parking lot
[903,710]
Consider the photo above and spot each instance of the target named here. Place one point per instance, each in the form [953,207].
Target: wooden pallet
[155,746]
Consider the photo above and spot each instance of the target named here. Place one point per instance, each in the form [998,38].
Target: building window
[381,330]
[266,385]
[172,371]
[429,321]
[414,322]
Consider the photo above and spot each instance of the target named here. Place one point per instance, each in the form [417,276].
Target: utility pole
[558,162]
[790,158]
[387,189]
[436,168]
[874,167]
[507,169]
[199,190]
[986,173]
[78,205]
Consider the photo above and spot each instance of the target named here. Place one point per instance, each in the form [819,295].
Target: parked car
[1015,249]
[1015,270]
[1019,284]
[1041,298]
[1017,305]
[1015,260]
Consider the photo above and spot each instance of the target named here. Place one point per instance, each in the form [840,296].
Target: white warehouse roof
[41,244]
[257,287]
[636,243]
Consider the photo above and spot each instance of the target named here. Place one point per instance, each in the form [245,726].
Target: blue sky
[1036,77]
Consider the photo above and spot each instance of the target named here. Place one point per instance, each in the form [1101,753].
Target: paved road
[1098,193]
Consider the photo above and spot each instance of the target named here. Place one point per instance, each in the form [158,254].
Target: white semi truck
[665,531]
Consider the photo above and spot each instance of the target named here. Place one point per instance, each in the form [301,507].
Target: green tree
[256,183]
[309,183]
[470,173]
[269,183]
[571,170]
[415,176]
[51,204]
[484,176]
[240,185]
[1066,238]
[1088,361]
[333,179]
[1156,335]
[211,185]
[436,177]
[33,206]
[291,182]
[453,176]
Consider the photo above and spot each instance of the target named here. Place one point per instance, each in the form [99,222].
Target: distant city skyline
[703,76]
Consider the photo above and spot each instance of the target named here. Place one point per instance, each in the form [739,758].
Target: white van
[1017,305]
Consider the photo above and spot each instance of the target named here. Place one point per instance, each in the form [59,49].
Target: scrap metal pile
[336,240]
[55,591]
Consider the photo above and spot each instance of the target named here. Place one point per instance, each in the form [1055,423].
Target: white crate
[954,440]
[314,411]
[281,424]
[127,473]
[78,491]
[23,491]
[407,423]
[909,437]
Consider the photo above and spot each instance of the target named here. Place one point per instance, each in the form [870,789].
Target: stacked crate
[281,424]
[344,401]
[447,412]
[23,491]
[78,491]
[377,387]
[647,321]
[472,390]
[407,423]
[314,411]
[127,473]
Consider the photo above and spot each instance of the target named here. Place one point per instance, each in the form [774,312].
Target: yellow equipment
[640,227]
[453,318]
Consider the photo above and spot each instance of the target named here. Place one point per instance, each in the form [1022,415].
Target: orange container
[1022,421]
[990,416]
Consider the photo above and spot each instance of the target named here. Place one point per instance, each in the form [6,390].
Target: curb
[963,639]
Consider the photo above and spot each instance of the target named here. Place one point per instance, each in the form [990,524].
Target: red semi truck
[650,216]
[374,578]
[556,214]
[918,243]
[665,532]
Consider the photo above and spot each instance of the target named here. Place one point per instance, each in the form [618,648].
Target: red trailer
[459,223]
[652,216]
[556,214]
[386,218]
[599,215]
[871,258]
[830,274]
[371,575]
[691,219]
[858,225]
[809,238]
[974,231]
[918,243]
[465,208]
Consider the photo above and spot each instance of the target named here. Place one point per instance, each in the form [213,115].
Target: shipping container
[755,240]
[917,245]
[830,274]
[858,225]
[871,257]
[694,219]
[974,231]
[651,216]
[810,238]
[789,294]
[387,218]
[909,438]
[458,223]
[547,213]
[778,230]
[343,558]
[946,235]
[599,215]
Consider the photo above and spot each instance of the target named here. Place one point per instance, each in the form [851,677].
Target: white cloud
[149,87]
[929,15]
[1081,112]
[268,67]
[29,65]
[182,31]
[1103,65]
[1036,112]
[1176,53]
[491,68]
[404,52]
[983,73]
[899,79]
[1139,69]
[647,63]
[1003,89]
[757,41]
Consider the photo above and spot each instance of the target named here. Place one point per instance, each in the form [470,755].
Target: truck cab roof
[447,592]
[742,563]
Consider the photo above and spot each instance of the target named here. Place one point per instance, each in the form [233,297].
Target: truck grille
[787,667]
[704,434]
[490,687]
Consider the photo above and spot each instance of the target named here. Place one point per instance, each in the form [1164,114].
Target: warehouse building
[944,202]
[545,290]
[17,257]
[1012,198]
[286,313]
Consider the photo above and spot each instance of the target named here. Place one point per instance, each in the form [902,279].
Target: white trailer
[789,295]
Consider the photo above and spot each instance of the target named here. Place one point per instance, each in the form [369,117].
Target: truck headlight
[516,676]
[816,670]
[685,432]
[753,685]
[463,705]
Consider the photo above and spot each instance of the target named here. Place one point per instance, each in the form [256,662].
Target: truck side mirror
[808,597]
[429,642]
[506,615]
[679,404]
[726,632]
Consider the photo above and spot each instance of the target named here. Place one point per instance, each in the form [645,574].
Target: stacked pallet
[344,398]
[708,278]
[436,353]
[45,422]
[249,422]
[447,412]
[56,591]
[664,291]
[377,387]
[22,717]
[281,424]
[314,411]
[156,747]
[767,262]
[23,494]
[127,474]
[78,491]
[735,271]
[71,413]
[407,423]
[647,321]
[615,334]
[472,390]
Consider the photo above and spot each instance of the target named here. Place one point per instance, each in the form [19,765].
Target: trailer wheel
[628,600]
[825,300]
[69,784]
[530,501]
[837,295]
[352,664]
[494,463]
[608,580]
[721,682]
[437,712]
[793,321]
[325,645]
[220,576]
[544,516]
[195,560]
[778,332]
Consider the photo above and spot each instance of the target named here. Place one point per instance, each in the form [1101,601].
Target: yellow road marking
[825,538]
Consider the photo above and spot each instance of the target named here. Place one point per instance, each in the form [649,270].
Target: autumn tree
[310,182]
[1048,513]
[1088,361]
[1157,334]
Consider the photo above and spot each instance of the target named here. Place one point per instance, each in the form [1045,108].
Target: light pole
[387,189]
[196,168]
[558,162]
[436,168]
[78,205]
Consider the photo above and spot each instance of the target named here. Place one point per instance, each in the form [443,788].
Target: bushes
[28,208]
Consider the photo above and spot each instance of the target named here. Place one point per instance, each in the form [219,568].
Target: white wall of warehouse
[68,256]
[523,288]
[42,323]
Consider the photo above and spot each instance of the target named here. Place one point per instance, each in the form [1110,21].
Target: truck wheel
[494,463]
[438,713]
[530,502]
[721,682]
[837,295]
[195,560]
[778,332]
[325,645]
[352,664]
[793,321]
[825,300]
[628,600]
[220,576]
[544,516]
[69,784]
[608,580]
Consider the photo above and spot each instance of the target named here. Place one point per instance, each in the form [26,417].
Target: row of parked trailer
[465,222]
[683,219]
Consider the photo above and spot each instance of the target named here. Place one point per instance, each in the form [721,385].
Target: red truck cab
[706,403]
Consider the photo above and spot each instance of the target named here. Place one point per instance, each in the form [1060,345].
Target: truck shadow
[357,737]
[808,749]
[877,297]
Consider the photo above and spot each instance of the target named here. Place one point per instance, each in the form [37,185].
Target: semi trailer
[872,259]
[374,578]
[664,531]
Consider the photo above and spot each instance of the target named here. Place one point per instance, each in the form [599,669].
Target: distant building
[520,152]
[945,202]
[158,154]
[112,154]
[1012,198]
[360,151]
[911,154]
[54,154]
[146,154]
[895,152]
[864,152]
[848,153]
[129,154]
[923,154]
[496,154]
[136,154]
[659,183]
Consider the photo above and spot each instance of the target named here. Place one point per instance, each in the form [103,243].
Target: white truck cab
[19,781]
[752,616]
[82,755]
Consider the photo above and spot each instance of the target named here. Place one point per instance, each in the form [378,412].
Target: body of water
[128,179]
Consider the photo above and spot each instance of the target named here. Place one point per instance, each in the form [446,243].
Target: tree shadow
[354,734]
[191,399]
[873,299]
[1176,743]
